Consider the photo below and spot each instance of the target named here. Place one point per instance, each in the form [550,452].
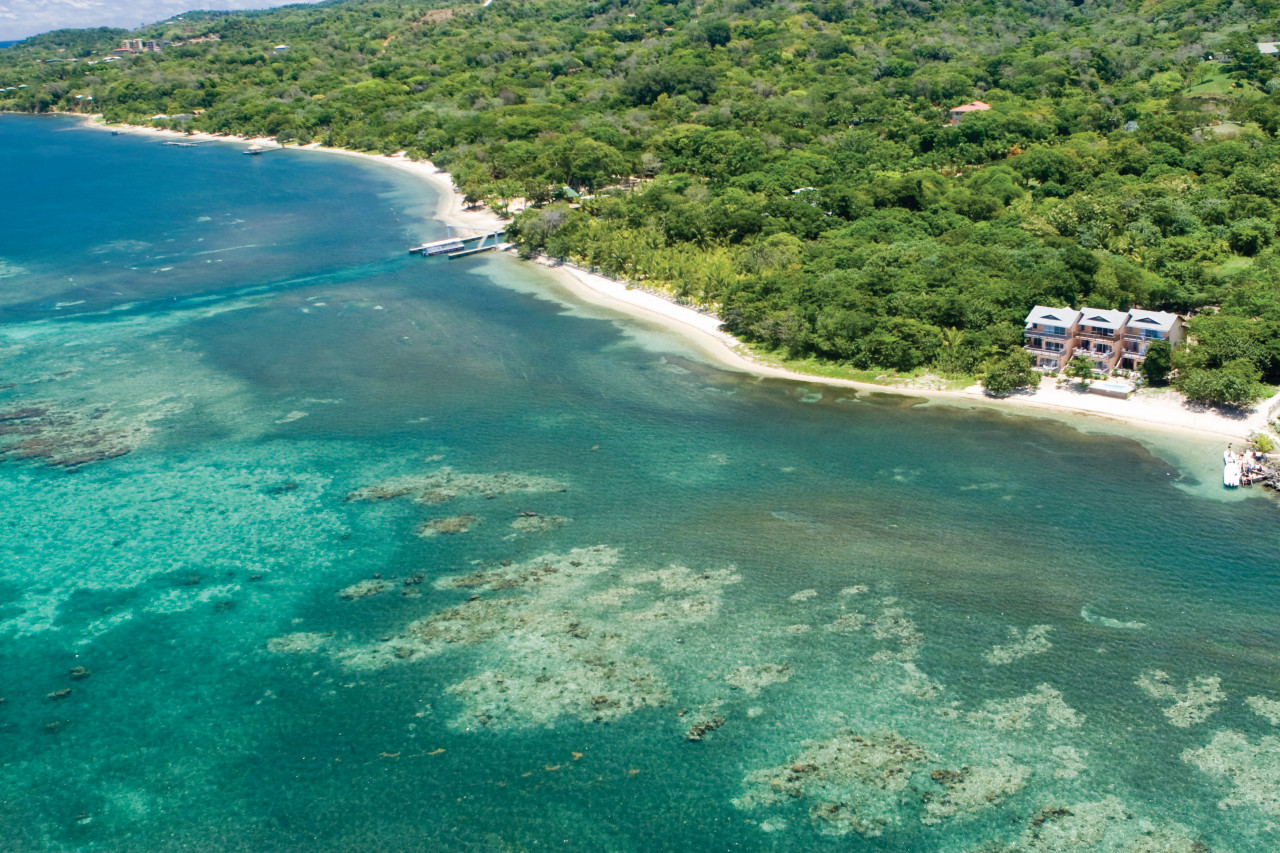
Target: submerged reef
[752,679]
[853,782]
[1043,709]
[1252,769]
[1264,707]
[970,790]
[533,522]
[1193,705]
[365,588]
[1034,641]
[705,720]
[302,641]
[445,484]
[556,636]
[1097,825]
[446,526]
[66,437]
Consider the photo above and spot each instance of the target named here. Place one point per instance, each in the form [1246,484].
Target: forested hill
[795,164]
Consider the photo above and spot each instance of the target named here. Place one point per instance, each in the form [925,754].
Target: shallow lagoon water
[888,626]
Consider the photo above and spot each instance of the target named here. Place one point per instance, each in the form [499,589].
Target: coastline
[1160,411]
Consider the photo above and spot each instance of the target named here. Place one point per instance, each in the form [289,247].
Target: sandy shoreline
[1160,410]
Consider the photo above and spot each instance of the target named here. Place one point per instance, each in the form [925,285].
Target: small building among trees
[956,113]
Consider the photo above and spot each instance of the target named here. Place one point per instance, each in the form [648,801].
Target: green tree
[1080,369]
[1158,363]
[1007,373]
[1234,384]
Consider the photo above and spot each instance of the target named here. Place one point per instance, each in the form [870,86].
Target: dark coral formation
[60,438]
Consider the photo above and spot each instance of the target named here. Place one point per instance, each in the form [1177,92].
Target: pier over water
[458,247]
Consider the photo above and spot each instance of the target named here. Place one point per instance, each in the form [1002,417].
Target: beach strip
[1152,409]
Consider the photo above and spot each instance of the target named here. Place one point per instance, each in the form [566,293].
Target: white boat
[1231,474]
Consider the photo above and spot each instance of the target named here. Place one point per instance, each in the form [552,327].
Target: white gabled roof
[1162,320]
[1103,317]
[1065,317]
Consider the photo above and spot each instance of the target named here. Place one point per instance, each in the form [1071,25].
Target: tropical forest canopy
[791,163]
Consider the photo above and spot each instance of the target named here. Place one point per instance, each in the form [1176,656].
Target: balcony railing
[1099,336]
[1043,333]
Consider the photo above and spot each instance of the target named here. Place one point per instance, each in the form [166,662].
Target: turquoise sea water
[241,431]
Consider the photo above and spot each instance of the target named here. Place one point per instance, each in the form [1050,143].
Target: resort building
[956,113]
[1142,329]
[1101,337]
[1052,335]
[1109,339]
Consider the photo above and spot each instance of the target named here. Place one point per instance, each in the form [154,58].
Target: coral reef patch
[65,437]
[557,636]
[1042,709]
[971,790]
[1264,707]
[1033,641]
[752,679]
[445,484]
[533,522]
[365,588]
[449,526]
[1192,705]
[853,783]
[1253,769]
[1097,825]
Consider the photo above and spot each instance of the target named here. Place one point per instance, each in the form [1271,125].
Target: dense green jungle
[791,164]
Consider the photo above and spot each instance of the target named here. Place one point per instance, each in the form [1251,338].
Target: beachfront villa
[1142,329]
[1108,338]
[1101,336]
[1051,335]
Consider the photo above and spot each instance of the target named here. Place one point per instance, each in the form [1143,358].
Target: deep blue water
[231,347]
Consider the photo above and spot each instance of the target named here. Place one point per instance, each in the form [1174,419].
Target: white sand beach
[1149,409]
[1161,409]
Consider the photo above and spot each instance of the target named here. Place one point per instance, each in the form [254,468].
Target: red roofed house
[956,113]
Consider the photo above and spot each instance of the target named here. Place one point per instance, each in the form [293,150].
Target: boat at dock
[1247,468]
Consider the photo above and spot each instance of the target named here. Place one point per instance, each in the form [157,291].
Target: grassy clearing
[1236,263]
